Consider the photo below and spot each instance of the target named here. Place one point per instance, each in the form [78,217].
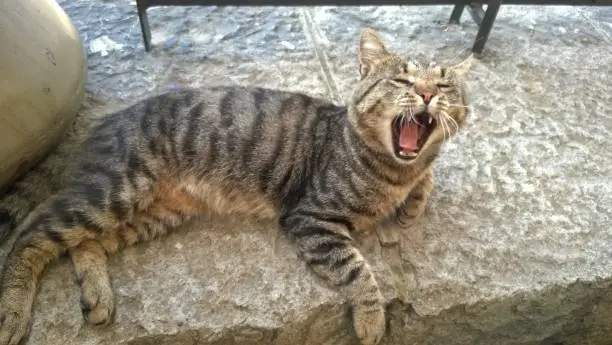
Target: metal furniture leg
[144,24]
[477,13]
[486,25]
[456,15]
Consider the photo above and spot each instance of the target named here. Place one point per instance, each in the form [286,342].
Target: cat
[322,171]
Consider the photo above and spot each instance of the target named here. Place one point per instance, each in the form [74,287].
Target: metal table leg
[456,15]
[486,25]
[477,13]
[144,24]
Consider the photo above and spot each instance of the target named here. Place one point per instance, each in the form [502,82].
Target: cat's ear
[372,50]
[462,68]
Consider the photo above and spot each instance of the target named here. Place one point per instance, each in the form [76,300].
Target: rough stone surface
[515,247]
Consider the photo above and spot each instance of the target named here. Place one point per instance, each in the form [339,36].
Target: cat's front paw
[404,221]
[14,326]
[369,323]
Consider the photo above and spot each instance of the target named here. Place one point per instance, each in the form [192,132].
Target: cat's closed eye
[401,82]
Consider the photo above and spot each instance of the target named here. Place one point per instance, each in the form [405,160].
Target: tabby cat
[322,171]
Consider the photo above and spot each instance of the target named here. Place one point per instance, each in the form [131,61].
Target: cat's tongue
[409,136]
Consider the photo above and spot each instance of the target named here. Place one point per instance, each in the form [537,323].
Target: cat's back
[246,128]
[220,107]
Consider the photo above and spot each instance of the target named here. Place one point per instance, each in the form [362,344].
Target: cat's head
[402,106]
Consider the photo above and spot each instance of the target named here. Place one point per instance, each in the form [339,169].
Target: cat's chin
[410,133]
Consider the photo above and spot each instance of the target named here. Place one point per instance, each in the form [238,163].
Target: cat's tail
[7,223]
[18,200]
[15,205]
[40,182]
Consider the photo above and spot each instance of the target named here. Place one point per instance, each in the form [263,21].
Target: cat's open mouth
[410,133]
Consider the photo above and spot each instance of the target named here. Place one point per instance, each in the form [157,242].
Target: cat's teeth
[408,154]
[430,120]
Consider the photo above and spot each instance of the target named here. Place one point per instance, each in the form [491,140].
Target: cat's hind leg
[91,268]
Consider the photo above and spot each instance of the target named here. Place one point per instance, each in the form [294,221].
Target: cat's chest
[381,200]
[387,199]
[377,204]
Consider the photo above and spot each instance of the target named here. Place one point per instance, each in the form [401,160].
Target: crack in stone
[313,35]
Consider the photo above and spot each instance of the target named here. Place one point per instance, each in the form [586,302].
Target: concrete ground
[515,247]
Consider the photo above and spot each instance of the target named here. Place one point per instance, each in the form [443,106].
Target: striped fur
[322,171]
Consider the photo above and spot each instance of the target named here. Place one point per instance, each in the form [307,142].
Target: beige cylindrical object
[42,81]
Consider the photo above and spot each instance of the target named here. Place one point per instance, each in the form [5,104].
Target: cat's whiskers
[446,122]
[411,110]
[407,115]
[451,120]
[448,130]
[469,107]
[445,128]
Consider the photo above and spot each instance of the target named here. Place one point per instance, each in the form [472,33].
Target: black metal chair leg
[144,25]
[486,25]
[456,15]
[477,13]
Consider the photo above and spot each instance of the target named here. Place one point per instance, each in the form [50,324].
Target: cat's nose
[427,96]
